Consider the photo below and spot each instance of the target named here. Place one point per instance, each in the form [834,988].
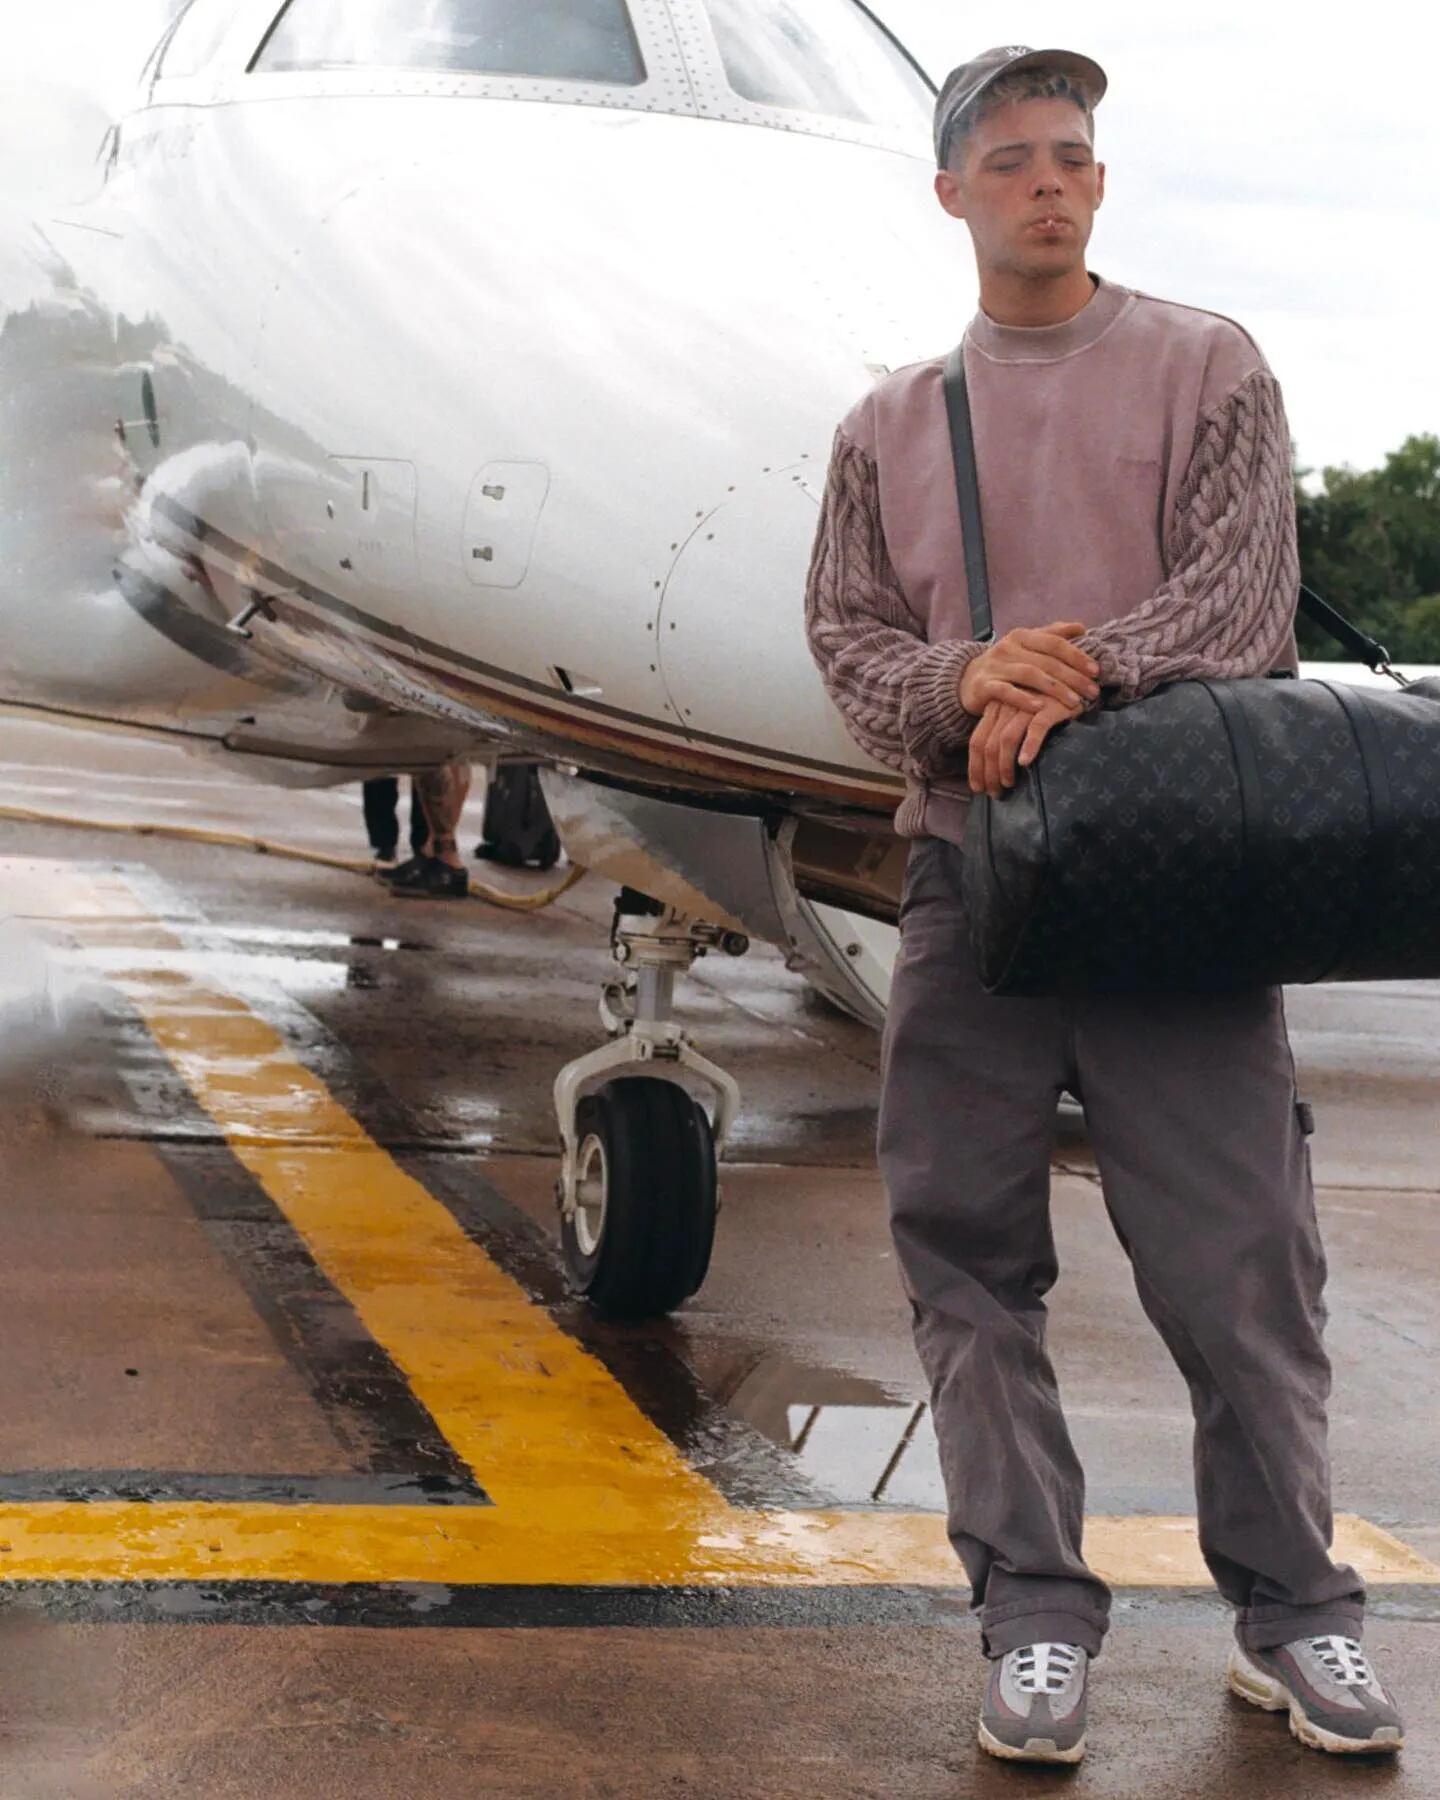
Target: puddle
[277,939]
[246,971]
[861,1442]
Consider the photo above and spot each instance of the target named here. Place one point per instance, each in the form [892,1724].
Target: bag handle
[967,488]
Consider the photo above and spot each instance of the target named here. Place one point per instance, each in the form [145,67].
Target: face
[1027,184]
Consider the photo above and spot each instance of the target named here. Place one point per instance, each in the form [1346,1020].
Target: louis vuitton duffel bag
[1216,835]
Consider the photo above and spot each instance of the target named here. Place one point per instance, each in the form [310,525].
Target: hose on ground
[235,840]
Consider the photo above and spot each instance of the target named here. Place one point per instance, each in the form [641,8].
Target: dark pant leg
[1195,1123]
[969,1086]
[419,828]
[382,797]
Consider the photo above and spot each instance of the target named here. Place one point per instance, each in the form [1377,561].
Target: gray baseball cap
[964,86]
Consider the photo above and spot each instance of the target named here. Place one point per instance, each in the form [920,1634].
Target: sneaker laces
[1034,1673]
[1343,1660]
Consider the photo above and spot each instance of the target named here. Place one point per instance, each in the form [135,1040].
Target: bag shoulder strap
[967,488]
[1350,637]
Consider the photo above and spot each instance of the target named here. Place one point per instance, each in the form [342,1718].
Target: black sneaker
[427,878]
[403,871]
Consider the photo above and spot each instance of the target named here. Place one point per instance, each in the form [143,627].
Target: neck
[1011,299]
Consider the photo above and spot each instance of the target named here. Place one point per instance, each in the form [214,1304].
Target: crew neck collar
[1048,343]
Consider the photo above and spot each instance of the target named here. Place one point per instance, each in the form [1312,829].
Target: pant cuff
[1015,1632]
[1341,1620]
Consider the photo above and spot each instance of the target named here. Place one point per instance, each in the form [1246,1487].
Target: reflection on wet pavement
[856,1440]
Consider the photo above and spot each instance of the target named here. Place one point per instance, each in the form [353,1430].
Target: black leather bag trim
[1018,938]
[1370,748]
[1247,770]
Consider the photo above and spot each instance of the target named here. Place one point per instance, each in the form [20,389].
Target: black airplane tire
[647,1165]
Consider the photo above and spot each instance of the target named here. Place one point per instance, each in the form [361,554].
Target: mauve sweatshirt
[1135,475]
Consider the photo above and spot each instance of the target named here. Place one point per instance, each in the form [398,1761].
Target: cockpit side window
[191,46]
[824,57]
[553,40]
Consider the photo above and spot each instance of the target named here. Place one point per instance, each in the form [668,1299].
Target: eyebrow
[1028,144]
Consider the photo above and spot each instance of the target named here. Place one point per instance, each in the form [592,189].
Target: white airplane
[457,377]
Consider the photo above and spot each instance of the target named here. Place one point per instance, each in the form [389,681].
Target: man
[1138,506]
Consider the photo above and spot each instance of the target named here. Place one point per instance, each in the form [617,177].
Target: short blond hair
[1024,84]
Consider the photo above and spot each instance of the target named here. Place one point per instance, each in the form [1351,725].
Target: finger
[1000,690]
[1011,737]
[997,755]
[1038,729]
[993,744]
[1058,645]
[977,750]
[1058,651]
[1036,733]
[979,740]
[1047,676]
[1063,666]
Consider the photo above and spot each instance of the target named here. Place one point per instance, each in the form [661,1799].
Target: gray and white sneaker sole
[1253,1684]
[1034,1750]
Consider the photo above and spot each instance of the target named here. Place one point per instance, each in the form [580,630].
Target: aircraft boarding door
[741,577]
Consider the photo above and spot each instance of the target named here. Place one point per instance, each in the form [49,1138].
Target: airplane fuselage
[508,415]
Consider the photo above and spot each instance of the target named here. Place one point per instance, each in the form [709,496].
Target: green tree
[1370,544]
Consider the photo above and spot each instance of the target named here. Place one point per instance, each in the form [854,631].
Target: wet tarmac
[315,1480]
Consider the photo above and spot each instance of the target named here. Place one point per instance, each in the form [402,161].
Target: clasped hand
[1020,689]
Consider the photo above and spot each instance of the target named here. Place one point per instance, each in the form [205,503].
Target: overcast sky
[1277,160]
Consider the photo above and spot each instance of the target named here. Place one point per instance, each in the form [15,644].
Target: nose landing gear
[638,1188]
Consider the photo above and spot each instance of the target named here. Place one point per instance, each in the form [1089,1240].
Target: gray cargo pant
[1197,1131]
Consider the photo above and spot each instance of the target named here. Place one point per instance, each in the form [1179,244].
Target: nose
[1049,175]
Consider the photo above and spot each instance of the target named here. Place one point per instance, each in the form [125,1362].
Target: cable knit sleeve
[1228,606]
[898,694]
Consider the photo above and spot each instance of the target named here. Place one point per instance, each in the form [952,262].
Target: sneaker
[427,878]
[1034,1709]
[383,861]
[406,870]
[1335,1698]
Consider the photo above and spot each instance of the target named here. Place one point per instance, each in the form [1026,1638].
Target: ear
[1099,184]
[949,193]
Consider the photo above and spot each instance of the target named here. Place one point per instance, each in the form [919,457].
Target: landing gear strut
[638,1190]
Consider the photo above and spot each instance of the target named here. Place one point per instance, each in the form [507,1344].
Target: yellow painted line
[191,1541]
[539,1420]
[586,1488]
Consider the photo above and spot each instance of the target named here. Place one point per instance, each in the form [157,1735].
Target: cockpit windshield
[554,40]
[826,57]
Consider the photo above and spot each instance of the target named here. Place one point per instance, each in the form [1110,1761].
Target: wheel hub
[592,1195]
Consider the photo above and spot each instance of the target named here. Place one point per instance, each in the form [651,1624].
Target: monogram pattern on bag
[1126,859]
